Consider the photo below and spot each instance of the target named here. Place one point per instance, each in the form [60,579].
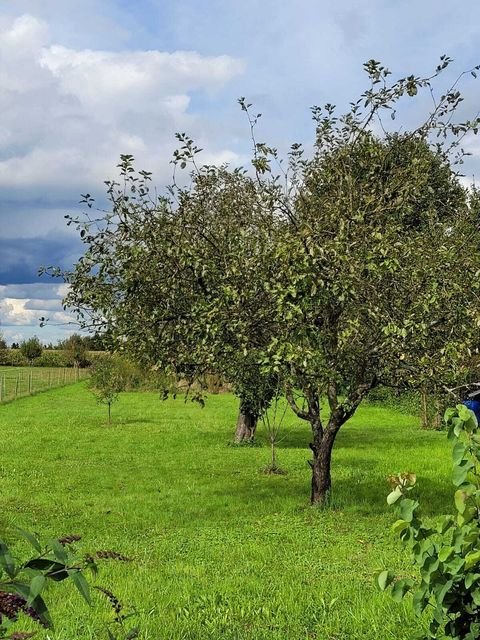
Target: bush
[23,583]
[12,358]
[448,555]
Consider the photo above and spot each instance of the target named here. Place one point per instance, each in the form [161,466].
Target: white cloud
[17,311]
[67,114]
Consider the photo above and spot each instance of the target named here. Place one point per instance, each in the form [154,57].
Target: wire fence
[19,382]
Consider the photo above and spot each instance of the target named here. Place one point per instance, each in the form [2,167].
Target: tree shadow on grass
[358,486]
[125,422]
[357,432]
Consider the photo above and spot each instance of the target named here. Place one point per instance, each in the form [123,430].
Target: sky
[83,82]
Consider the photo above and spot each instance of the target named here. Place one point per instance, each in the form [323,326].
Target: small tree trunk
[321,447]
[109,413]
[246,425]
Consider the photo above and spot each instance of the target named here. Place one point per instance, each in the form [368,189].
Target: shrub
[23,583]
[31,349]
[447,555]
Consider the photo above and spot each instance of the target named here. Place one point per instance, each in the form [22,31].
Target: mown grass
[220,549]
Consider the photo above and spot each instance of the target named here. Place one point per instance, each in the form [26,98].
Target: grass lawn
[220,549]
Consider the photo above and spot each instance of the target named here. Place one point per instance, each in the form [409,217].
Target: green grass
[16,382]
[220,549]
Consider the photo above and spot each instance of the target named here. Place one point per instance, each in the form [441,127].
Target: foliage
[22,583]
[75,350]
[447,555]
[107,381]
[48,358]
[337,272]
[3,343]
[31,349]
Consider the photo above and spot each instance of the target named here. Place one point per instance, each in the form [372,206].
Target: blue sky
[82,82]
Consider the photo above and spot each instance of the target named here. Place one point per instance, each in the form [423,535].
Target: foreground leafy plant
[23,583]
[448,555]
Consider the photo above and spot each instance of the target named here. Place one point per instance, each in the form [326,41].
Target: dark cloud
[21,258]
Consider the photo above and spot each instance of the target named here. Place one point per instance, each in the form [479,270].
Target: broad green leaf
[471,559]
[399,526]
[458,452]
[446,553]
[400,588]
[460,500]
[384,578]
[407,509]
[394,495]
[36,587]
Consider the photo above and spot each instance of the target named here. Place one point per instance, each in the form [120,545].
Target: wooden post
[1,389]
[64,375]
[16,387]
[30,383]
[49,378]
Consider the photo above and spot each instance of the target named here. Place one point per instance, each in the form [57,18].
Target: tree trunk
[424,397]
[246,425]
[321,447]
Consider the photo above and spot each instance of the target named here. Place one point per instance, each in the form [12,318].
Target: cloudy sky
[82,82]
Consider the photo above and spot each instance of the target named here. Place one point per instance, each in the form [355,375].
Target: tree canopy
[349,267]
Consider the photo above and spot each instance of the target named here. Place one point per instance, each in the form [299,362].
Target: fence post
[1,389]
[49,378]
[16,387]
[30,382]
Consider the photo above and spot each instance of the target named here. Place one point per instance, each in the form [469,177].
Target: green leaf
[460,500]
[36,587]
[400,588]
[384,578]
[6,560]
[445,523]
[471,578]
[394,495]
[446,553]
[476,596]
[31,539]
[53,570]
[458,452]
[420,599]
[407,509]
[460,473]
[59,551]
[455,566]
[471,559]
[82,585]
[39,606]
[399,526]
